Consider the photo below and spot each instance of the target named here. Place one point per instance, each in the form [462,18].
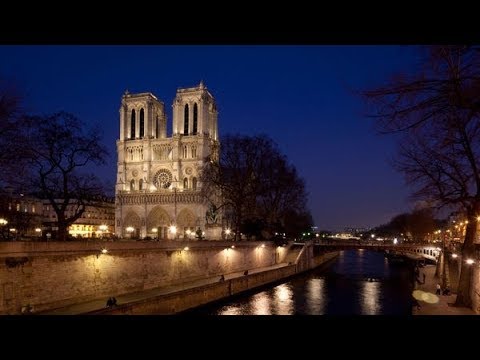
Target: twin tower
[157,189]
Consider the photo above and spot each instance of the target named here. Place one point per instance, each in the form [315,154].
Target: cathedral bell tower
[158,188]
[195,113]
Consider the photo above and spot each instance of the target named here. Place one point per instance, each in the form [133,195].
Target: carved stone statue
[212,214]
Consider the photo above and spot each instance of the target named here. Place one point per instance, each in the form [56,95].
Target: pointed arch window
[132,185]
[156,127]
[194,183]
[195,118]
[140,184]
[185,122]
[185,183]
[132,125]
[142,123]
[185,151]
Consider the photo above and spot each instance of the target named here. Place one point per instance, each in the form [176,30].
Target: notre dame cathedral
[157,189]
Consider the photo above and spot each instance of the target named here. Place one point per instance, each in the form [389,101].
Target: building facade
[21,216]
[24,217]
[158,188]
[97,221]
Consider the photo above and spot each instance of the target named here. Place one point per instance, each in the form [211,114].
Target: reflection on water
[316,296]
[357,282]
[261,304]
[370,298]
[283,299]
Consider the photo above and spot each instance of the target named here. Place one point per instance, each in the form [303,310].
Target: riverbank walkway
[433,304]
[93,306]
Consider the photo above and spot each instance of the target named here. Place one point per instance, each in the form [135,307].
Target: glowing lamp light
[263,245]
[454,256]
[173,229]
[103,227]
[188,232]
[38,230]
[233,246]
[155,230]
[228,231]
[186,248]
[3,221]
[130,229]
[395,241]
[13,230]
[104,251]
[470,261]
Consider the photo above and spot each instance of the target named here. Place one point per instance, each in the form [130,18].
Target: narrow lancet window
[185,123]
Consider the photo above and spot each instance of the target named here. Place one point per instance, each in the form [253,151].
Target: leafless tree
[57,148]
[253,181]
[435,111]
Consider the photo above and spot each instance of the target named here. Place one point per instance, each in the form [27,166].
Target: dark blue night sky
[302,96]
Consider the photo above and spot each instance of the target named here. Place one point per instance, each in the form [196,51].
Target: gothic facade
[157,189]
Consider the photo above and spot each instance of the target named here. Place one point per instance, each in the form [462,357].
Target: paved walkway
[99,304]
[435,304]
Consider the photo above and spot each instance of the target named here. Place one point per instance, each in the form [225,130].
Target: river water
[357,282]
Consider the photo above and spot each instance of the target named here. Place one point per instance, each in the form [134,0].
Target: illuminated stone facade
[97,221]
[157,189]
[27,217]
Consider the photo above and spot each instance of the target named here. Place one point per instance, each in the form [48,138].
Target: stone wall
[191,298]
[194,297]
[51,275]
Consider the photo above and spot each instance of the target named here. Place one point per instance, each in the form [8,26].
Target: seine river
[357,282]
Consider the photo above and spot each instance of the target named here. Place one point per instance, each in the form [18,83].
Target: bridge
[412,251]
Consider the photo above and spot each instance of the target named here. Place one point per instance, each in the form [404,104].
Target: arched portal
[186,221]
[158,222]
[131,225]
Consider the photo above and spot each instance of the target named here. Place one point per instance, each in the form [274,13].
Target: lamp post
[3,222]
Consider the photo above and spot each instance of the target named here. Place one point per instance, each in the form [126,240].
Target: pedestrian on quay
[109,302]
[439,290]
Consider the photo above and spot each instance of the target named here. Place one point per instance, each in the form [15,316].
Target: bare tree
[253,181]
[436,110]
[282,192]
[57,148]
